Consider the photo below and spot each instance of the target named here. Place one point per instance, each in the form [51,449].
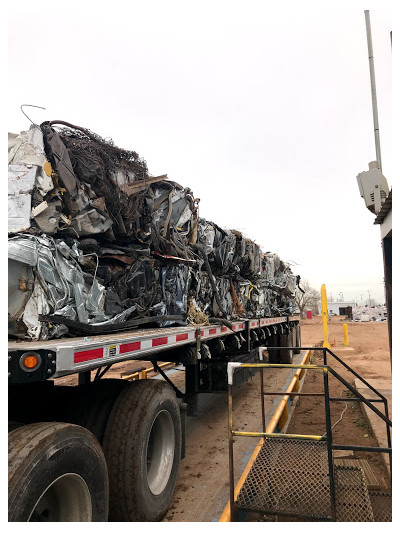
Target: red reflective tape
[160,341]
[129,347]
[240,326]
[224,328]
[212,331]
[182,337]
[88,355]
[202,333]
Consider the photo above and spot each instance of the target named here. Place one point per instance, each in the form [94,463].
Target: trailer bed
[78,354]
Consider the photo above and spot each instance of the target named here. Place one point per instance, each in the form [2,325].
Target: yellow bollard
[324,309]
[346,334]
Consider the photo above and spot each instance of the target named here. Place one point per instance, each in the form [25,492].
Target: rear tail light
[30,361]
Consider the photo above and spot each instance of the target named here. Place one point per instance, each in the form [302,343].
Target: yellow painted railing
[278,419]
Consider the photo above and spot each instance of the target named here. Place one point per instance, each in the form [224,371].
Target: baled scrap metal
[374,313]
[66,282]
[247,257]
[106,245]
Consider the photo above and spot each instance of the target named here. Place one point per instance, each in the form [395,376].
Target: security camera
[373,187]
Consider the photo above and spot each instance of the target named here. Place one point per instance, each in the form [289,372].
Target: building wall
[333,307]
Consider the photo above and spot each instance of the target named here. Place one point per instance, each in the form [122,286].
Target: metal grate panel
[382,505]
[352,498]
[288,477]
[372,481]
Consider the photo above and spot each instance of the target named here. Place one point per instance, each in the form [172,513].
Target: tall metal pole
[373,91]
[325,318]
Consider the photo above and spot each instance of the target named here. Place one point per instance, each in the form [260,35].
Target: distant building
[338,308]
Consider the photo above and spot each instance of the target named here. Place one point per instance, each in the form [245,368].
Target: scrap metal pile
[370,313]
[97,244]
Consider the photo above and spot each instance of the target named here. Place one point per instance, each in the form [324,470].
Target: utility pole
[385,218]
[373,91]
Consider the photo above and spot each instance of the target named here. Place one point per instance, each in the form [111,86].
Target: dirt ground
[370,341]
[368,356]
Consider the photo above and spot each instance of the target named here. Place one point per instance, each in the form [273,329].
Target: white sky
[263,109]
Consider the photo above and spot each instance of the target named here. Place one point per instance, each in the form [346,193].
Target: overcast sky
[263,109]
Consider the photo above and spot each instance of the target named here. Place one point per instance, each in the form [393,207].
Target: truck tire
[93,406]
[273,355]
[142,445]
[286,354]
[56,473]
[296,339]
[13,425]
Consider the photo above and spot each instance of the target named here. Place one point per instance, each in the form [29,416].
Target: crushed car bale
[97,244]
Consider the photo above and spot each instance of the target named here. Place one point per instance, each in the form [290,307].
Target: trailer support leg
[192,388]
[84,377]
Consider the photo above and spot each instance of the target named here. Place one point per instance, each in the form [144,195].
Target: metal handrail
[328,438]
[356,374]
[383,398]
[320,348]
[320,367]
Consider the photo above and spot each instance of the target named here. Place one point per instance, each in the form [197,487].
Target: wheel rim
[160,452]
[67,499]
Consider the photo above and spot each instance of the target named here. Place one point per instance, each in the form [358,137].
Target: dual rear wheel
[59,471]
[289,341]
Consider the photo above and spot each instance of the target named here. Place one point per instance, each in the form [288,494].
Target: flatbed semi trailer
[109,449]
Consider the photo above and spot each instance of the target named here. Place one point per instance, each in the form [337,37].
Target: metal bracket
[101,371]
[205,351]
[177,391]
[198,343]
